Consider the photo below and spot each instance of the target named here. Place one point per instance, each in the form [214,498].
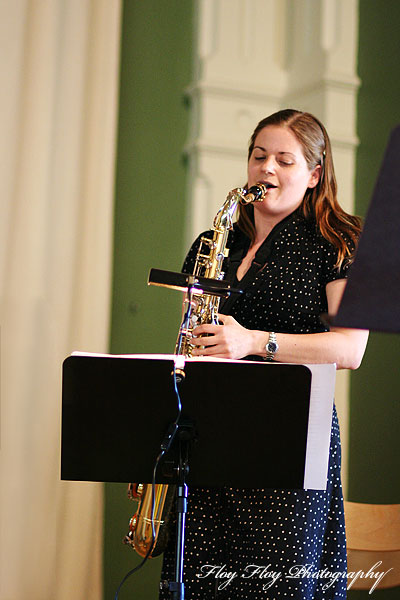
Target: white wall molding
[226,90]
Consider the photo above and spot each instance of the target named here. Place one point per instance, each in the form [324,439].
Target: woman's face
[278,161]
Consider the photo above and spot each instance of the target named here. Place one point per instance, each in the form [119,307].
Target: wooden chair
[373,535]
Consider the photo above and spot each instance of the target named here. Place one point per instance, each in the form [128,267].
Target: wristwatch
[271,348]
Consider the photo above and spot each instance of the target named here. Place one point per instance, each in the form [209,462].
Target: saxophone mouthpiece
[256,193]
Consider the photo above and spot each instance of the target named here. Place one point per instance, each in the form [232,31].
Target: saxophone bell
[140,535]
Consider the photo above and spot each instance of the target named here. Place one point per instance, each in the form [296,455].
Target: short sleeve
[329,257]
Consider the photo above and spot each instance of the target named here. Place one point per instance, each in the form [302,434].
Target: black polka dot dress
[265,543]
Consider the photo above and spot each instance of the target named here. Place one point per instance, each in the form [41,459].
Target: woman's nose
[268,165]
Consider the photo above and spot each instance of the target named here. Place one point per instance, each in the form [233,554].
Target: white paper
[319,426]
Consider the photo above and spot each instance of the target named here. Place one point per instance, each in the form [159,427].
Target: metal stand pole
[177,587]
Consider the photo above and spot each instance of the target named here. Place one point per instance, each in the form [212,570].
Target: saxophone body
[199,308]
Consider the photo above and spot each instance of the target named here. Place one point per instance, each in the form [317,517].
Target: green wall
[374,468]
[156,64]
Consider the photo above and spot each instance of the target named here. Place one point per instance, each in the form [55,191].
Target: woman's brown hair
[338,227]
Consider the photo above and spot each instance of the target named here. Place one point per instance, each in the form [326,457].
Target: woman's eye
[285,163]
[259,157]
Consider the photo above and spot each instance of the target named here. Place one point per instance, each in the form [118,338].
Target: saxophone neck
[224,217]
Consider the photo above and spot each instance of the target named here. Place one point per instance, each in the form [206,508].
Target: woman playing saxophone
[291,254]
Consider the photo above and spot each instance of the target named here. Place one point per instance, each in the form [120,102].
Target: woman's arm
[345,347]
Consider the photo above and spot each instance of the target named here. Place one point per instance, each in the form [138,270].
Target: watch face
[272,347]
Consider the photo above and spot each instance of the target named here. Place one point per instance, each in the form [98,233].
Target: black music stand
[117,410]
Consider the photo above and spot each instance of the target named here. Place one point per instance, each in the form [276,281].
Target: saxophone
[199,308]
[202,308]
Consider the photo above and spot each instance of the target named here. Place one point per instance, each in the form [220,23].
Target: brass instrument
[199,308]
[140,535]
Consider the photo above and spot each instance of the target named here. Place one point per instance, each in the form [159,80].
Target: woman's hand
[229,340]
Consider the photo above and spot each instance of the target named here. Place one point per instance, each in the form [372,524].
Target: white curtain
[58,109]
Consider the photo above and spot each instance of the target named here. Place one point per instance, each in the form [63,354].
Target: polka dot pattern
[273,540]
[286,291]
[264,543]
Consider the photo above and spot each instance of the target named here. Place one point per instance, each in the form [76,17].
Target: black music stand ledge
[264,425]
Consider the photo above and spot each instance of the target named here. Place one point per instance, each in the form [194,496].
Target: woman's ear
[314,177]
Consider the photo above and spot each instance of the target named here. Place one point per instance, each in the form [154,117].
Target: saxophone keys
[133,523]
[135,490]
